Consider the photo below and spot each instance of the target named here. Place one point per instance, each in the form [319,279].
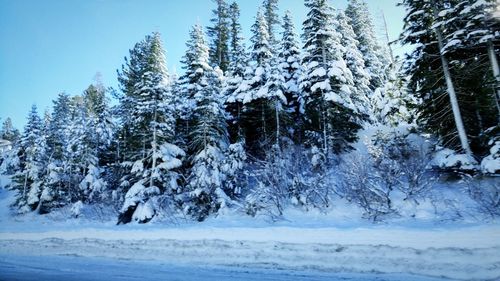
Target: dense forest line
[275,124]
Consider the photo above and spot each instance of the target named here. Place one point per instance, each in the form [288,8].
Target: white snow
[491,163]
[460,254]
[447,158]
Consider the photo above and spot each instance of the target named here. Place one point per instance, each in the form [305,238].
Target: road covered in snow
[71,268]
[247,253]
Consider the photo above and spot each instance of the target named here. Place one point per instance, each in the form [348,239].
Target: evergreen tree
[207,182]
[360,91]
[8,131]
[270,8]
[291,71]
[253,93]
[208,143]
[28,181]
[456,105]
[373,54]
[238,61]
[219,35]
[152,162]
[100,122]
[237,70]
[332,120]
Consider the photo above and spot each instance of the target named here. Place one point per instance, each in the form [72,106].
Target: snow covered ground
[309,247]
[460,254]
[69,268]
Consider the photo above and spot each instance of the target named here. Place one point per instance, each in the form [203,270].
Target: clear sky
[53,46]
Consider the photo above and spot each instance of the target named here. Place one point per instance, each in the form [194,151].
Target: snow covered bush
[491,163]
[486,192]
[286,178]
[361,184]
[396,167]
[447,159]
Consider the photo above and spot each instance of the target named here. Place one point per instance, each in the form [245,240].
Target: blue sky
[54,46]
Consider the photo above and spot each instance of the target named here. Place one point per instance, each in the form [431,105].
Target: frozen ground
[70,268]
[308,247]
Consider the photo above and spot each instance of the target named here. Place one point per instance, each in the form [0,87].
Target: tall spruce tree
[360,91]
[236,74]
[219,36]
[332,121]
[373,54]
[253,93]
[456,105]
[8,131]
[270,8]
[154,159]
[208,137]
[289,61]
[32,155]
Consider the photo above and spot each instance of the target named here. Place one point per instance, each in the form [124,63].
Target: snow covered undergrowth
[321,243]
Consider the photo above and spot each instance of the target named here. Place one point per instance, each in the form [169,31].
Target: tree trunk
[452,94]
[153,144]
[496,73]
[277,124]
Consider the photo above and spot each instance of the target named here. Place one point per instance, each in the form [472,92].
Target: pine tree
[236,74]
[456,105]
[238,61]
[360,91]
[100,121]
[219,35]
[152,162]
[332,120]
[270,8]
[208,143]
[28,181]
[253,93]
[358,13]
[208,136]
[474,29]
[8,131]
[291,71]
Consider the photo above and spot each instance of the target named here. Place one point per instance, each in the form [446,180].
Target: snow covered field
[462,254]
[34,248]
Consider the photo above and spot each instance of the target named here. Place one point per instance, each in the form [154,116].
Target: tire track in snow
[448,262]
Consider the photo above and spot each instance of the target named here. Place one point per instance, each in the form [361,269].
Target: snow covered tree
[332,118]
[58,127]
[207,183]
[393,104]
[237,52]
[236,74]
[360,90]
[28,181]
[153,162]
[101,123]
[473,35]
[208,143]
[456,103]
[360,19]
[219,36]
[270,8]
[8,131]
[289,63]
[253,93]
[195,64]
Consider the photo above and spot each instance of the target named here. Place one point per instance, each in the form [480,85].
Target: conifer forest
[294,124]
